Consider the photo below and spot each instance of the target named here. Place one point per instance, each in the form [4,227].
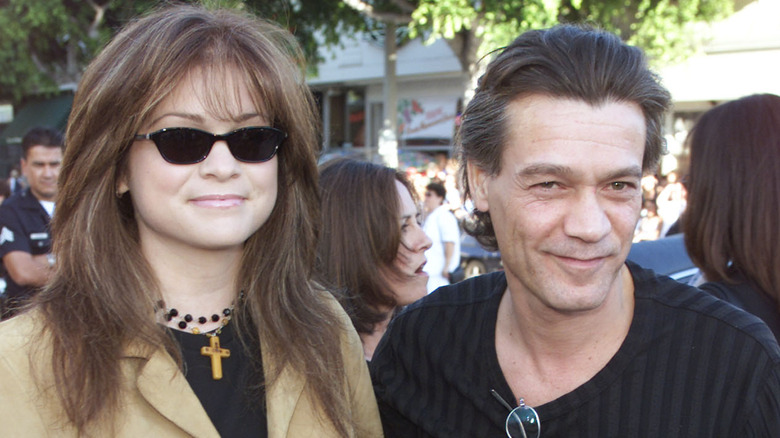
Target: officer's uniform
[24,226]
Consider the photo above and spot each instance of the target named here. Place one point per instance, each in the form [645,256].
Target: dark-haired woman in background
[732,222]
[182,302]
[372,248]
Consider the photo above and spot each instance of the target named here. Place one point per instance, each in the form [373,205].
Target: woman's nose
[423,242]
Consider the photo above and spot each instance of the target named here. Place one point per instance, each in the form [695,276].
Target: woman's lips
[218,201]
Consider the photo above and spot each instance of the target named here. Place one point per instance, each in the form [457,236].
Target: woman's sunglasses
[522,421]
[254,144]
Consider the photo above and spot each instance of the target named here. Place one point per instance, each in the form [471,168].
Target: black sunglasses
[254,144]
[522,421]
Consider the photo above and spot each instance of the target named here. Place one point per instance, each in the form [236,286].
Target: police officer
[25,242]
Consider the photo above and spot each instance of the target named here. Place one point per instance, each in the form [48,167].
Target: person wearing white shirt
[442,228]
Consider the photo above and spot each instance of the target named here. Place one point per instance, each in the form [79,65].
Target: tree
[473,28]
[46,44]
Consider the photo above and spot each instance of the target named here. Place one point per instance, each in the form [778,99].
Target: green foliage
[313,22]
[664,29]
[494,22]
[661,27]
[47,43]
[34,36]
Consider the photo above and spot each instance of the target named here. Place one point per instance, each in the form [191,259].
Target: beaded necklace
[187,319]
[213,350]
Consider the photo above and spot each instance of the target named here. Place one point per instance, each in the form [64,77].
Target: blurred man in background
[25,242]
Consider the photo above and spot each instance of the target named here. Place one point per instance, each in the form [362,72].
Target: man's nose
[50,170]
[586,218]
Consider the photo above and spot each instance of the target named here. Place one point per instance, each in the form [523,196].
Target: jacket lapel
[166,389]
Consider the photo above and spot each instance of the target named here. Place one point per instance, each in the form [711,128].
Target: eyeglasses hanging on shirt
[522,421]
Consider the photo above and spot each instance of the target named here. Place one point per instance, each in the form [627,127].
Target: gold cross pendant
[216,353]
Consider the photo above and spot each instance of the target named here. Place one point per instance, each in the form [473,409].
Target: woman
[183,255]
[731,222]
[372,248]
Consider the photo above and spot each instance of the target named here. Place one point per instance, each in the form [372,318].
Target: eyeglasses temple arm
[501,400]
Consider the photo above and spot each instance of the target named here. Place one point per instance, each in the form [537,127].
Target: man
[442,228]
[585,344]
[25,245]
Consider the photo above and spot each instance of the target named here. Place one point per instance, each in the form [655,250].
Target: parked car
[665,256]
[475,260]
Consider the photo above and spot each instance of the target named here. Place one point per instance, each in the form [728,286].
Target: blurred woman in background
[372,248]
[732,222]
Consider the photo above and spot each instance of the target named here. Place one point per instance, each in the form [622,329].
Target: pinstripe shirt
[690,366]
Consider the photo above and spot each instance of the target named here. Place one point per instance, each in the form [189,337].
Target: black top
[229,402]
[690,366]
[24,226]
[749,298]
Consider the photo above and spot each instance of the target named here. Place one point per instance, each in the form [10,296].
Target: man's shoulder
[446,310]
[444,211]
[17,201]
[461,314]
[466,293]
[11,217]
[680,306]
[12,202]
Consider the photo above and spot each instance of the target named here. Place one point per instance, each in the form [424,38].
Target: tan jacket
[159,402]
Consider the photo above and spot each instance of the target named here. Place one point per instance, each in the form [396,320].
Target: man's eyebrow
[544,169]
[555,169]
[626,172]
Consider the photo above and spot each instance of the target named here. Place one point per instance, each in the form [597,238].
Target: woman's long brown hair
[103,293]
[361,234]
[731,220]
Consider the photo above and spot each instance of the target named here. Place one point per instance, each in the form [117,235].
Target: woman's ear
[121,185]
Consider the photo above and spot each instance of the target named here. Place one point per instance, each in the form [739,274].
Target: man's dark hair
[437,188]
[41,136]
[567,62]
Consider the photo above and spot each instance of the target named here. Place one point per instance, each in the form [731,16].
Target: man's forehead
[44,153]
[43,148]
[555,135]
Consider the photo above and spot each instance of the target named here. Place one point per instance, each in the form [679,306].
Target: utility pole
[388,137]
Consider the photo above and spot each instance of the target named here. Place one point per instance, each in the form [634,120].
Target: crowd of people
[203,276]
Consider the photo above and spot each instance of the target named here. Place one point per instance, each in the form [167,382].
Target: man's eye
[547,185]
[619,185]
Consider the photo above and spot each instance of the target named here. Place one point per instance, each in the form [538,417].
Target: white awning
[741,57]
[724,76]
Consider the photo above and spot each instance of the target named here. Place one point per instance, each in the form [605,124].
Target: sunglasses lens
[189,146]
[255,145]
[182,145]
[523,422]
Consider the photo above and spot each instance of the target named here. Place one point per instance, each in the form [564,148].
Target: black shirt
[690,366]
[235,402]
[747,297]
[24,226]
